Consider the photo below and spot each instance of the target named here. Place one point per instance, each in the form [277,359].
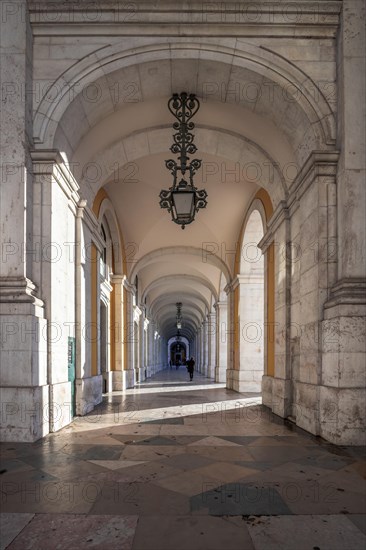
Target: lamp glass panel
[183,203]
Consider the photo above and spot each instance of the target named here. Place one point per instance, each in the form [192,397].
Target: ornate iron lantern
[179,315]
[183,199]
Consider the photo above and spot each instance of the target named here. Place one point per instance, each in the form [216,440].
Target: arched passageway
[259,306]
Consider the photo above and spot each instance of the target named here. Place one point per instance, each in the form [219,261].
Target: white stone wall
[59,296]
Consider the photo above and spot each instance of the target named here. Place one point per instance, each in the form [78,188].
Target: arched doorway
[105,301]
[178,353]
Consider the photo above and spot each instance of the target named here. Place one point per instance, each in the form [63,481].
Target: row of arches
[149,342]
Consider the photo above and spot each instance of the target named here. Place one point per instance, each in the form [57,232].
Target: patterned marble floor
[179,465]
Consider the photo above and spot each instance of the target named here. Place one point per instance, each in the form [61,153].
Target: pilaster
[221,341]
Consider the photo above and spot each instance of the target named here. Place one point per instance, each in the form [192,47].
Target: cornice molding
[318,164]
[347,291]
[49,162]
[166,18]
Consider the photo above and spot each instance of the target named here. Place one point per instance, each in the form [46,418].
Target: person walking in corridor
[190,367]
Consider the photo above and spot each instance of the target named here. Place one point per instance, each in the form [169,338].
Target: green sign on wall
[71,370]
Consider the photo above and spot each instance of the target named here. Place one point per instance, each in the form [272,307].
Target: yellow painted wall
[236,329]
[270,258]
[94,305]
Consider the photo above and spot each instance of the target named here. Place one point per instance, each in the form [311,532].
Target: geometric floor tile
[11,525]
[234,499]
[214,441]
[191,533]
[140,499]
[155,441]
[170,465]
[255,465]
[99,452]
[329,462]
[171,421]
[225,472]
[72,531]
[189,461]
[305,532]
[117,464]
[222,452]
[188,483]
[359,520]
[240,439]
[145,472]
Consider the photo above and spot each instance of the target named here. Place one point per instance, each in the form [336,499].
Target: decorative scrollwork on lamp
[183,199]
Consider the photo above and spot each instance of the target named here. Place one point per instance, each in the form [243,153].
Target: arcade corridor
[122,123]
[173,464]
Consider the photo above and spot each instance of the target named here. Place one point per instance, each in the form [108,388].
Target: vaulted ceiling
[120,142]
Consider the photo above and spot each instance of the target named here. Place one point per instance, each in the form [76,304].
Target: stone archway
[79,121]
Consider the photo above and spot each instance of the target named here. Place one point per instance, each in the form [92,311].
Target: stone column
[153,347]
[23,354]
[146,346]
[230,334]
[202,349]
[150,357]
[351,190]
[312,268]
[142,368]
[129,377]
[221,341]
[198,349]
[136,341]
[56,198]
[161,356]
[211,332]
[248,369]
[117,372]
[282,386]
[343,395]
[16,205]
[205,347]
[268,249]
[89,381]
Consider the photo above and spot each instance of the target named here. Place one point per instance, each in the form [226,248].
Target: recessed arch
[107,211]
[256,164]
[160,253]
[177,278]
[259,60]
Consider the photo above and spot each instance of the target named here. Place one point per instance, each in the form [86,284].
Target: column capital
[136,313]
[246,279]
[50,162]
[318,164]
[117,279]
[130,288]
[229,288]
[280,215]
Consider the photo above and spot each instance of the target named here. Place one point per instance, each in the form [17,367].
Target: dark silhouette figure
[190,367]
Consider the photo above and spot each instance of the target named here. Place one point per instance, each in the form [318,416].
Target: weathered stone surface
[85,133]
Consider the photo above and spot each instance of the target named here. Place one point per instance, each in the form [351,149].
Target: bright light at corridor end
[183,199]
